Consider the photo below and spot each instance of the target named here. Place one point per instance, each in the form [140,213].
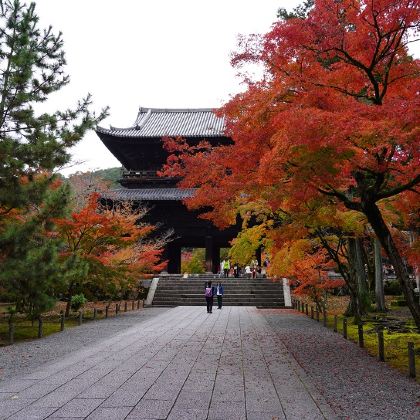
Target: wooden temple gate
[140,150]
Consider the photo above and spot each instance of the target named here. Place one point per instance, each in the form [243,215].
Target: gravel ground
[356,385]
[23,357]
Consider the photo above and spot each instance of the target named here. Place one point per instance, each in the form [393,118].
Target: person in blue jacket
[219,294]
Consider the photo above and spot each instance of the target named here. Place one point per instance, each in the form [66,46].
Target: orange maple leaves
[113,237]
[335,115]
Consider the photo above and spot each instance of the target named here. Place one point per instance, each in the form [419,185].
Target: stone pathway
[186,364]
[24,357]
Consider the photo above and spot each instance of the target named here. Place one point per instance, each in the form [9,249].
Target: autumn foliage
[107,249]
[334,119]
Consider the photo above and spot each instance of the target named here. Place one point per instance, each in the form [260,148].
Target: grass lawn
[395,342]
[26,330]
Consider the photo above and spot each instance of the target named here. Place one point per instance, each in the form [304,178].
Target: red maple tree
[335,114]
[108,246]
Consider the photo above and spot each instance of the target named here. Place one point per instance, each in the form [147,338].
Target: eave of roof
[149,194]
[161,122]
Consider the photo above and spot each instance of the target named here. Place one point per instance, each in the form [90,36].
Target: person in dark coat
[209,292]
[219,295]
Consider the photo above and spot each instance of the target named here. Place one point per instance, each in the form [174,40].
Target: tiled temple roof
[149,194]
[158,122]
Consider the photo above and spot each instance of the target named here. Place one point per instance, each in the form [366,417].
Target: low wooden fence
[314,313]
[110,309]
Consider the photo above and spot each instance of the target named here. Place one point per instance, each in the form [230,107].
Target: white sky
[150,53]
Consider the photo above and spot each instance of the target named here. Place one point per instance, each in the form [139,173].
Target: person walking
[236,270]
[222,268]
[209,292]
[219,293]
[226,268]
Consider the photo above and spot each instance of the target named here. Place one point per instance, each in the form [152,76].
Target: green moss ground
[395,343]
[24,330]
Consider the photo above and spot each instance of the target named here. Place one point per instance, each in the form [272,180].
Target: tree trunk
[346,273]
[415,268]
[68,307]
[353,306]
[382,232]
[358,275]
[379,277]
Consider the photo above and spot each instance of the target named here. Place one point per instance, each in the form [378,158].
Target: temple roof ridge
[171,122]
[150,194]
[166,110]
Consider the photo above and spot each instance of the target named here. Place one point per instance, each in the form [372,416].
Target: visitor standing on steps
[226,268]
[209,292]
[222,267]
[219,294]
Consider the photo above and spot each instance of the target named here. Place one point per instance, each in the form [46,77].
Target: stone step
[180,301]
[267,306]
[230,280]
[227,290]
[201,285]
[213,278]
[223,282]
[226,297]
[178,291]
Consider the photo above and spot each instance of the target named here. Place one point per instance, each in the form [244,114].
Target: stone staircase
[174,290]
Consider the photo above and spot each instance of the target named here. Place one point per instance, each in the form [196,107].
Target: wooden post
[106,311]
[317,315]
[80,317]
[132,305]
[11,330]
[125,306]
[335,323]
[324,319]
[381,346]
[40,327]
[312,312]
[209,246]
[360,333]
[61,320]
[94,313]
[411,360]
[345,328]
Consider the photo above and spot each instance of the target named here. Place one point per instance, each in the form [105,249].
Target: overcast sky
[159,53]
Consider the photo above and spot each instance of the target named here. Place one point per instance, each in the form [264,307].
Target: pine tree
[32,146]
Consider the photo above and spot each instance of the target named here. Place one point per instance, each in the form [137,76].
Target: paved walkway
[186,364]
[24,357]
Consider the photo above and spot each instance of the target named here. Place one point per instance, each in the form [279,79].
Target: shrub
[392,288]
[400,302]
[77,301]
